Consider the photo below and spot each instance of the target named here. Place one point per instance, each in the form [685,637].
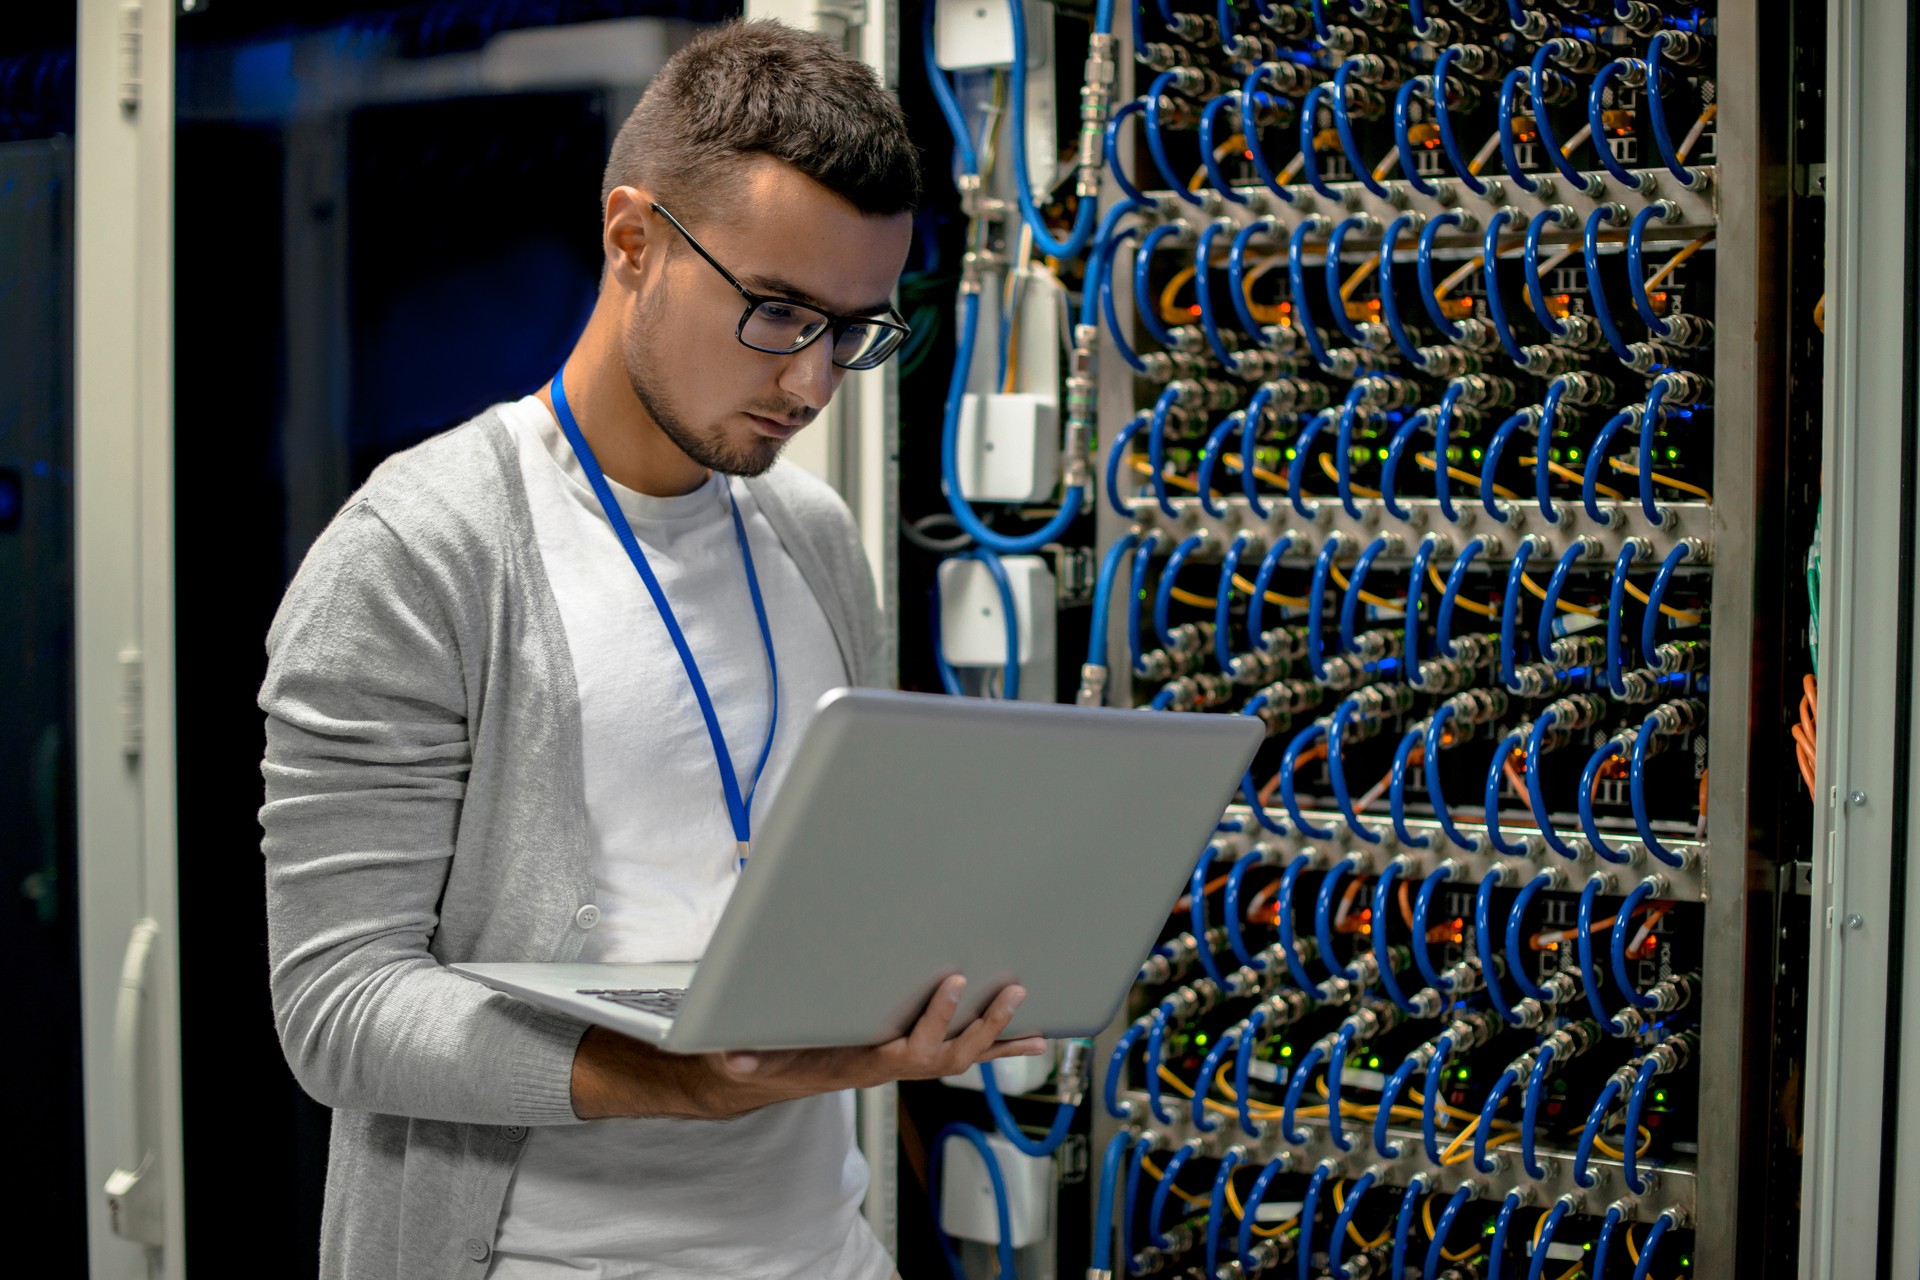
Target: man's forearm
[614,1075]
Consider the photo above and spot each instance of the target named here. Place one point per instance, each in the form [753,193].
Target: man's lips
[779,428]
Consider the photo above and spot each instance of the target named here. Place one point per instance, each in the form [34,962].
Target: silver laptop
[918,836]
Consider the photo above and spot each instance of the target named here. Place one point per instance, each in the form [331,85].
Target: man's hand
[617,1076]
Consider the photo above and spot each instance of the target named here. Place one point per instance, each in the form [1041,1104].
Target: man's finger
[930,1032]
[989,1026]
[1025,1047]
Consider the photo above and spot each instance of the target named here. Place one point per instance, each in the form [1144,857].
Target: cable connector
[1093,685]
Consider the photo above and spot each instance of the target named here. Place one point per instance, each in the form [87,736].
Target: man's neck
[626,441]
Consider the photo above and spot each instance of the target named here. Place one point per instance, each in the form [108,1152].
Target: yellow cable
[1380,602]
[1463,475]
[1353,1232]
[1169,309]
[1539,592]
[1332,470]
[1568,473]
[1240,1211]
[1461,602]
[1193,598]
[1706,118]
[1669,481]
[1666,268]
[1273,478]
[1360,273]
[1426,1220]
[1273,597]
[1820,314]
[1174,478]
[1221,152]
[1187,1196]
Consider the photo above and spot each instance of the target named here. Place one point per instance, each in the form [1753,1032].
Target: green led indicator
[1461,1074]
[1286,1051]
[1200,1040]
[1659,1095]
[1477,454]
[1672,454]
[1373,1062]
[1382,453]
[1290,454]
[1573,455]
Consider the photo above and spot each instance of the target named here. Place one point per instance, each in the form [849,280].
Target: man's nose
[810,375]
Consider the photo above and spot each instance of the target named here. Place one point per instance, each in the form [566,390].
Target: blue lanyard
[739,807]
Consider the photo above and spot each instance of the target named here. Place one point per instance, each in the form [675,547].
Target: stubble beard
[711,448]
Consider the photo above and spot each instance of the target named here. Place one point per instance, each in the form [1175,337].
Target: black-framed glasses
[782,326]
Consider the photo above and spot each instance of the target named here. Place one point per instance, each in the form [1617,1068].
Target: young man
[488,728]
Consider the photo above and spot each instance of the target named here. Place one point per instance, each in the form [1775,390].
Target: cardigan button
[477,1249]
[587,916]
[515,1132]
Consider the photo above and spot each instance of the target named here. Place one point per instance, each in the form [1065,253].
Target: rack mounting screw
[1854,921]
[1858,798]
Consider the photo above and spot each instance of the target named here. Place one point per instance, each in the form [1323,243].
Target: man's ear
[626,235]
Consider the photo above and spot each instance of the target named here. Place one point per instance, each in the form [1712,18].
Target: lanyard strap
[739,807]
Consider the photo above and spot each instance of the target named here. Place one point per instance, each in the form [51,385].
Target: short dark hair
[762,88]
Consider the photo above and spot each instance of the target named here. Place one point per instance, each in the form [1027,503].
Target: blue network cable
[1309,1211]
[1530,1115]
[1337,775]
[1542,119]
[1636,1101]
[1657,115]
[1536,795]
[1486,942]
[1208,115]
[1250,424]
[1350,601]
[1110,1162]
[1115,452]
[1510,614]
[1237,278]
[1422,908]
[1650,623]
[1107,308]
[1603,215]
[1336,1067]
[1397,788]
[1490,270]
[1002,1214]
[1650,423]
[1443,450]
[1316,607]
[1288,762]
[1423,262]
[1323,919]
[1443,620]
[1443,122]
[1203,293]
[1243,1071]
[1516,919]
[1297,280]
[1389,304]
[966,156]
[1283,921]
[1143,292]
[1390,1092]
[1163,594]
[1382,956]
[1616,611]
[1157,1208]
[1336,1245]
[1253,707]
[1309,128]
[1223,601]
[1336,245]
[1552,215]
[1496,773]
[1257,599]
[1583,1175]
[1142,565]
[1003,1120]
[1617,947]
[1083,220]
[1441,714]
[1416,587]
[1243,1242]
[1156,144]
[1603,1243]
[1297,469]
[1103,597]
[1536,1268]
[1556,586]
[1596,123]
[1495,1096]
[1343,126]
[1010,616]
[1343,448]
[1112,148]
[1636,266]
[1203,1082]
[1596,460]
[1403,135]
[1118,1108]
[1416,422]
[1655,1234]
[1250,98]
[1217,1204]
[1590,972]
[1155,1059]
[1197,912]
[1288,1129]
[1163,408]
[1496,448]
[1230,906]
[1437,1246]
[1417,1190]
[1502,1224]
[1637,793]
[1509,152]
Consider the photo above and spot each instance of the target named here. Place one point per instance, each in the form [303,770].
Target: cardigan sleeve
[366,765]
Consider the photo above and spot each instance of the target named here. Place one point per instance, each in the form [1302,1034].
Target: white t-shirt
[775,1193]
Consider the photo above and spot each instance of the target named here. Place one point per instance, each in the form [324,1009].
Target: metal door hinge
[130,56]
[133,720]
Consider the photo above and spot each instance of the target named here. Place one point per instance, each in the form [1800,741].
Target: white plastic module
[973,619]
[1009,447]
[970,35]
[966,1192]
[1013,1075]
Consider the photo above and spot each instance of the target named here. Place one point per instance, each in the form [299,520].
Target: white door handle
[134,1189]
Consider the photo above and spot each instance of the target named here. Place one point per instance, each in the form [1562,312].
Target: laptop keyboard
[664,1001]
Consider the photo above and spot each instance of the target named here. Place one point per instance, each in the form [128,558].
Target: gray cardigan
[425,805]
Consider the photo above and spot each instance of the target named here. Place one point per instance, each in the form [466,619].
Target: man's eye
[779,312]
